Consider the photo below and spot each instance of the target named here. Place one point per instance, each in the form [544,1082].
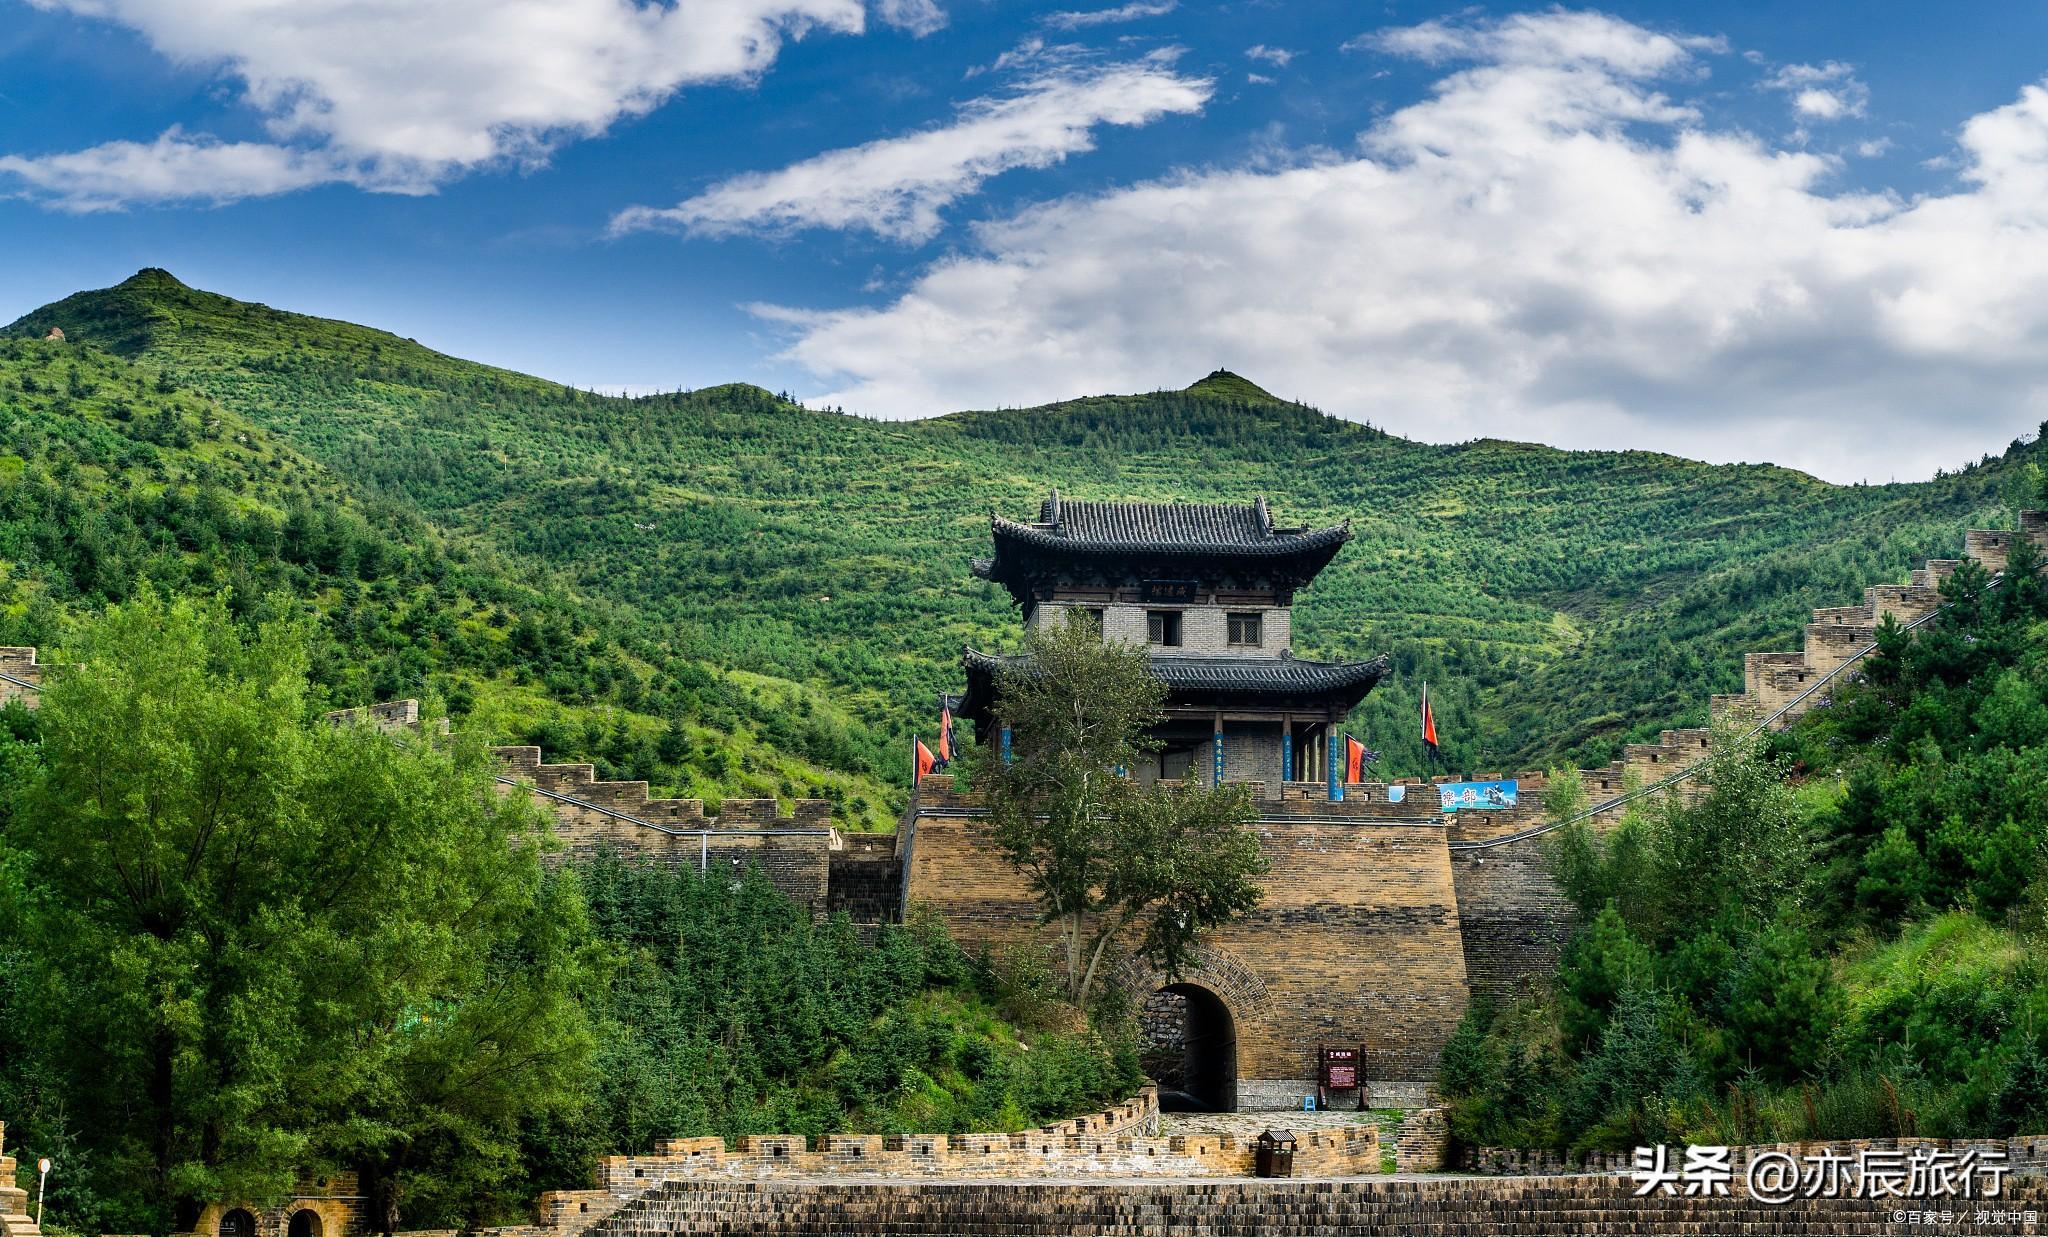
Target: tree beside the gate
[1108,858]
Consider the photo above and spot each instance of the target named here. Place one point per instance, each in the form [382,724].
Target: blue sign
[1466,796]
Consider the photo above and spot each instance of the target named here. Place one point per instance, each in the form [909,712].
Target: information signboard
[1468,796]
[1172,590]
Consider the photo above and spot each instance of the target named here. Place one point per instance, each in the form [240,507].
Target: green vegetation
[1107,855]
[1558,602]
[239,942]
[236,942]
[113,478]
[732,1012]
[1863,959]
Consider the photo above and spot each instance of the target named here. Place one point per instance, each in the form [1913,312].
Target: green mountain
[810,570]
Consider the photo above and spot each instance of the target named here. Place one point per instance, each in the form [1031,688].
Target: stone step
[1442,1207]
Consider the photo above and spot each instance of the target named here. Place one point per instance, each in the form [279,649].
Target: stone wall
[336,1201]
[1110,1144]
[1204,628]
[800,852]
[2026,1154]
[1567,1207]
[21,676]
[1356,942]
[16,1219]
[1425,1137]
[1513,916]
[864,878]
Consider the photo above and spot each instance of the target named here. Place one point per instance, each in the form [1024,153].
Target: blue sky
[1812,234]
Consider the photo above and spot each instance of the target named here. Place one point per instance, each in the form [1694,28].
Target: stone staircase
[15,1220]
[1599,1206]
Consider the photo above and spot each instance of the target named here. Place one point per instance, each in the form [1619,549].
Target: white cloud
[1545,247]
[1278,57]
[897,186]
[403,94]
[1082,19]
[919,17]
[1829,91]
[176,167]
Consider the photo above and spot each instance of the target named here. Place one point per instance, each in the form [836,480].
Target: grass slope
[1558,602]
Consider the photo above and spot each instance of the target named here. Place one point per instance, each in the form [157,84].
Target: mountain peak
[153,277]
[1226,385]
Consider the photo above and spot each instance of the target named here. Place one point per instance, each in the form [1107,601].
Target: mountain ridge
[1559,602]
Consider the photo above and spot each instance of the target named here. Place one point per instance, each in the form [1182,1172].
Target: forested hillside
[115,478]
[1865,962]
[1558,602]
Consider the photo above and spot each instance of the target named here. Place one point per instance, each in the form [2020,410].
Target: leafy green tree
[1108,857]
[262,943]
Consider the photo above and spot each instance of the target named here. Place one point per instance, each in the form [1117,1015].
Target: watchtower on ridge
[1208,591]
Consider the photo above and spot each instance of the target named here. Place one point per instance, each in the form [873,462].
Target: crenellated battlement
[1382,913]
[801,851]
[1514,919]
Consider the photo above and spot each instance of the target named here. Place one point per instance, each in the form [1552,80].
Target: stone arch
[237,1222]
[1190,1022]
[305,1222]
[1218,970]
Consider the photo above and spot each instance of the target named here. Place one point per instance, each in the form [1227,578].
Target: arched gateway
[1191,1049]
[1357,940]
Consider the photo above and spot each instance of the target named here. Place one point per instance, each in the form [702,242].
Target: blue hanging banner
[1219,759]
[1006,745]
[1287,757]
[1336,775]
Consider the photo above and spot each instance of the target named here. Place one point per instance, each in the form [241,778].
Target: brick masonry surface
[1381,918]
[1444,1207]
[336,1202]
[16,1218]
[1356,942]
[1117,1142]
[2027,1154]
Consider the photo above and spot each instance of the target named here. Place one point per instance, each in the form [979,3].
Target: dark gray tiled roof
[1288,675]
[1233,529]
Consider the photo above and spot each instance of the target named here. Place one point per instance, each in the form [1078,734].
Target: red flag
[1428,724]
[1354,760]
[946,749]
[925,761]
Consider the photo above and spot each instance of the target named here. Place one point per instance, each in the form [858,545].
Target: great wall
[1383,917]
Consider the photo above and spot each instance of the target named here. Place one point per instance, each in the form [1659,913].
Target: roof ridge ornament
[1265,516]
[1052,508]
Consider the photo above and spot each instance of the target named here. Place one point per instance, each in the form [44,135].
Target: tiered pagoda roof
[1071,540]
[1201,681]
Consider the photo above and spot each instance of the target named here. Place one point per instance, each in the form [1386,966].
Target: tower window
[1094,616]
[1162,627]
[1247,630]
